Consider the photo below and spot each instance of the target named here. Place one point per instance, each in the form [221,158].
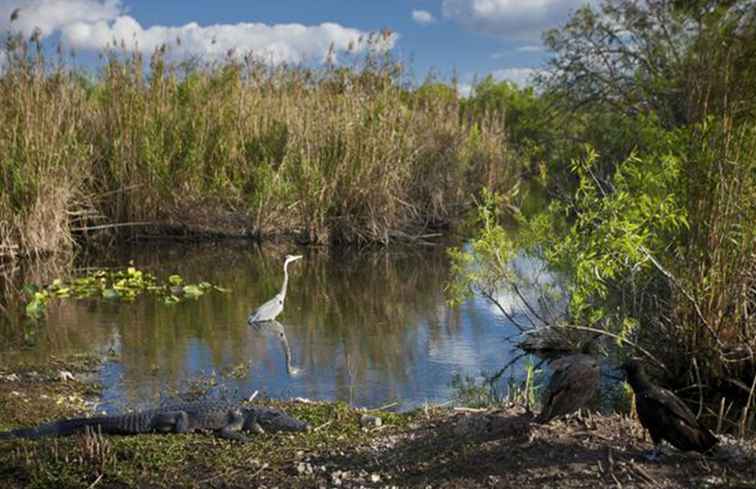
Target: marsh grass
[492,389]
[333,154]
[192,460]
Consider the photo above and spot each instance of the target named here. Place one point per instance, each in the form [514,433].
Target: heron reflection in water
[273,328]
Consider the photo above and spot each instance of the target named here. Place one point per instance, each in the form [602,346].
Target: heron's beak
[296,257]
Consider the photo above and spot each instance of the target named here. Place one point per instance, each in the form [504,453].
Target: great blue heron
[665,416]
[271,309]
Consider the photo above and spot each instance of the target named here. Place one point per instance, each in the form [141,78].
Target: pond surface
[367,328]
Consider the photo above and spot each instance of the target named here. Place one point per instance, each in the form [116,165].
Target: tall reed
[333,154]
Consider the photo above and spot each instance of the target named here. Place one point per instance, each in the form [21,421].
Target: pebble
[368,421]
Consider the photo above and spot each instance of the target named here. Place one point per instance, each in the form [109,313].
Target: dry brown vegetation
[332,154]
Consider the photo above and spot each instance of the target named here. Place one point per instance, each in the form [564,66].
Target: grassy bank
[331,154]
[498,446]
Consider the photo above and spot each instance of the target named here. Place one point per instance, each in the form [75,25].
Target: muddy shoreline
[432,447]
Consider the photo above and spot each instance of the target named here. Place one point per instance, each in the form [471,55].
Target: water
[366,328]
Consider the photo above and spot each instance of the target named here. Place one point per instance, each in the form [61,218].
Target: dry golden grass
[332,154]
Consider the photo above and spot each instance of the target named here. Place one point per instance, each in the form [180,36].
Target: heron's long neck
[286,281]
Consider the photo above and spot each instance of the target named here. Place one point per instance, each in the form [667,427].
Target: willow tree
[652,215]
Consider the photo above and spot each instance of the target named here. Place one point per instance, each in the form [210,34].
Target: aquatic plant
[113,284]
[485,391]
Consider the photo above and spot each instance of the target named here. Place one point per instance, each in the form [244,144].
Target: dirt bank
[426,448]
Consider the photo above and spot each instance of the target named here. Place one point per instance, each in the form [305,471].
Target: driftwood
[101,227]
[170,231]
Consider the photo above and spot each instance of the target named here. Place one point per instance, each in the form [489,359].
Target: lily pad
[193,291]
[110,294]
[113,284]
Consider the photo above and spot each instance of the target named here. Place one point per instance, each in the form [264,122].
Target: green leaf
[63,292]
[192,291]
[35,309]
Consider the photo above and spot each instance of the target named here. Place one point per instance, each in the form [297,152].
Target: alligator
[227,420]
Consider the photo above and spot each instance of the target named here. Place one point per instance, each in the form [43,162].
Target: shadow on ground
[504,448]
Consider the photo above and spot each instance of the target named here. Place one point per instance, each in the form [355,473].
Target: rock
[369,421]
[336,478]
[375,478]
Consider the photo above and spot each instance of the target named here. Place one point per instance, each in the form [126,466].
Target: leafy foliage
[651,181]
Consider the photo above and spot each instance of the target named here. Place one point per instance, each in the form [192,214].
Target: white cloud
[514,19]
[95,24]
[51,15]
[464,89]
[520,76]
[292,43]
[530,48]
[423,17]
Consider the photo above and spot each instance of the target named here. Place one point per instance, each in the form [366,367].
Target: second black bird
[665,416]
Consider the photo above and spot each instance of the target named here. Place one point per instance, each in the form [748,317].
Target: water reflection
[274,330]
[535,297]
[365,328]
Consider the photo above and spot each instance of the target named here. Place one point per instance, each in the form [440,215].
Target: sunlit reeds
[332,154]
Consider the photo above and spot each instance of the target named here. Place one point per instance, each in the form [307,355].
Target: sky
[466,38]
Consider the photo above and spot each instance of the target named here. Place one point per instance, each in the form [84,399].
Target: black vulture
[665,416]
[574,382]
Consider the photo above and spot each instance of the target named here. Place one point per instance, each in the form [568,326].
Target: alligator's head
[270,419]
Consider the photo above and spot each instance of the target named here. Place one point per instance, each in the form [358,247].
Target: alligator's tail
[58,428]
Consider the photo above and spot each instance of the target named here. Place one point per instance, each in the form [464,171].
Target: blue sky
[468,37]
